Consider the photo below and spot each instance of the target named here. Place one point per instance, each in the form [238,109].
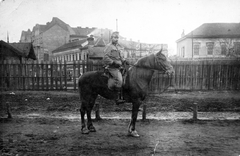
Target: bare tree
[228,43]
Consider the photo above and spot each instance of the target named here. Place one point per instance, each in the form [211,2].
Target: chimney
[183,34]
[90,40]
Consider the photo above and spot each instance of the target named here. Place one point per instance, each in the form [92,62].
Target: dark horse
[94,83]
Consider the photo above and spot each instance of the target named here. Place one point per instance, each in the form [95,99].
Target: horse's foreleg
[84,128]
[131,128]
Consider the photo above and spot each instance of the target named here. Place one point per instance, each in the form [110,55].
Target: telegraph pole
[116,24]
[7,37]
[192,44]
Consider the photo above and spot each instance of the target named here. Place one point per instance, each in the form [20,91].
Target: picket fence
[189,75]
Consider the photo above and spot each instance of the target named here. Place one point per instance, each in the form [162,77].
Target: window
[210,48]
[223,48]
[79,56]
[183,52]
[237,48]
[196,47]
[72,57]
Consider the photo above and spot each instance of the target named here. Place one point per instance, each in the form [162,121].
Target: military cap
[115,33]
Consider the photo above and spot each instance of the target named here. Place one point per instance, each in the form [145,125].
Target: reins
[170,77]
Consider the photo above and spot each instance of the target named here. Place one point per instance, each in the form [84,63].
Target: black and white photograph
[120,77]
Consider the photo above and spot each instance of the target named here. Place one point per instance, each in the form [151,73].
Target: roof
[214,30]
[100,43]
[26,49]
[57,21]
[96,52]
[8,50]
[132,45]
[79,36]
[70,45]
[27,33]
[83,31]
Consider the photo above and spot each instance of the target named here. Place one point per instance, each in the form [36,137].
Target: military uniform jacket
[112,53]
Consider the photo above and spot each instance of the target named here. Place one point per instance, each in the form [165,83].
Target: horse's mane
[146,62]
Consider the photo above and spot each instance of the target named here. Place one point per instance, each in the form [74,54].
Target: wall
[54,38]
[187,44]
[217,46]
[69,54]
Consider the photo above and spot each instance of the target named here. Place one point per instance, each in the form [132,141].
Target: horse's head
[156,61]
[162,63]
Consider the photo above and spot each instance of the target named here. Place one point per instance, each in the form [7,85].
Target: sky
[147,21]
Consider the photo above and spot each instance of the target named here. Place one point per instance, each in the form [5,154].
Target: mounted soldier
[113,61]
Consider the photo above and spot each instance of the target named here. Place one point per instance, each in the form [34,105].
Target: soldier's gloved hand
[116,65]
[126,62]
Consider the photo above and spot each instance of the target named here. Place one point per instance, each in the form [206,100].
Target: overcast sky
[150,21]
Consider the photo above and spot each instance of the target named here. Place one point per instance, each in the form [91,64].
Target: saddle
[107,74]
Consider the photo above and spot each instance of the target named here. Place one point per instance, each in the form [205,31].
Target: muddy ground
[40,127]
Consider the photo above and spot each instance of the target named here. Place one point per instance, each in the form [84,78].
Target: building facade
[46,38]
[84,49]
[211,40]
[57,40]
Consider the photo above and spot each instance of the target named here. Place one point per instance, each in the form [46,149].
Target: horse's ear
[160,52]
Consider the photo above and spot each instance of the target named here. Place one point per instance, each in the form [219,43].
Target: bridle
[170,77]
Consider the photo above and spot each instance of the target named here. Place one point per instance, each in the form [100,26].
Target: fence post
[195,111]
[144,112]
[46,74]
[8,110]
[65,73]
[74,75]
[60,74]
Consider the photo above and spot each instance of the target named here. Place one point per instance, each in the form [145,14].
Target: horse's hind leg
[82,112]
[89,110]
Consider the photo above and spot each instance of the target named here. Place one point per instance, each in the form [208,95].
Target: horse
[94,83]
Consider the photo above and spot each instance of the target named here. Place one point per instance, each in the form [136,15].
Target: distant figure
[113,60]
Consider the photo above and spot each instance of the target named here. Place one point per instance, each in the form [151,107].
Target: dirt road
[51,136]
[51,133]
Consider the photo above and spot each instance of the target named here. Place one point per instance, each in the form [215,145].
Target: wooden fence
[189,75]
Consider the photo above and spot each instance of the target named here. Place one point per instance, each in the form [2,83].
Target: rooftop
[214,30]
[70,45]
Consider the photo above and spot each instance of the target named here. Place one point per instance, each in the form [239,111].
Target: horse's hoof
[92,129]
[85,131]
[133,133]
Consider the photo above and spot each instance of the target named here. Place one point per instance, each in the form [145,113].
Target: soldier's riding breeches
[115,82]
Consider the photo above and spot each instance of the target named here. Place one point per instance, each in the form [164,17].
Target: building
[26,49]
[57,38]
[133,49]
[54,34]
[26,36]
[69,51]
[93,48]
[16,51]
[211,40]
[84,49]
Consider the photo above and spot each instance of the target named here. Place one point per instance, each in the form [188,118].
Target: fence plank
[61,75]
[74,75]
[65,73]
[189,75]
